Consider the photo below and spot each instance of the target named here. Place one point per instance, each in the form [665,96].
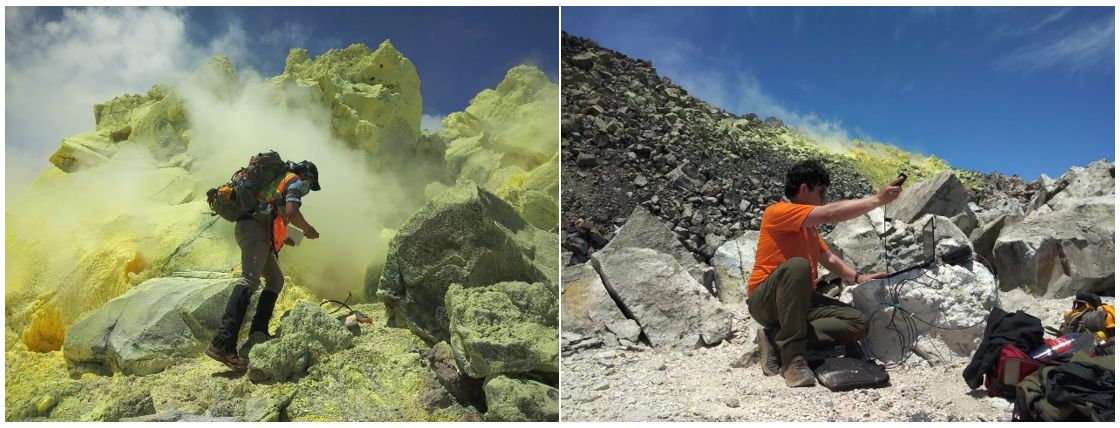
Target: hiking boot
[797,374]
[230,359]
[768,354]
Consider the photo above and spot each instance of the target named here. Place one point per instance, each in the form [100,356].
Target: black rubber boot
[226,337]
[265,305]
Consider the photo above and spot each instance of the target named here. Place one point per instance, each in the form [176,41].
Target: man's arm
[836,265]
[846,210]
[294,216]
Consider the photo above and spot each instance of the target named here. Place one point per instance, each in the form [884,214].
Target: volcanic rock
[1060,253]
[587,308]
[512,399]
[306,335]
[509,327]
[466,236]
[673,309]
[942,195]
[733,263]
[148,328]
[643,230]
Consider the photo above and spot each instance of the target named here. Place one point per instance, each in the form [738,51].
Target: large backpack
[238,198]
[1081,390]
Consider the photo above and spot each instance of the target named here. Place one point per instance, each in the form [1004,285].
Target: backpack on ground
[1089,315]
[1081,390]
[1013,365]
[238,198]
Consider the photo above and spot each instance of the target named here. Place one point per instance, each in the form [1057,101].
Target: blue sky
[1017,90]
[61,61]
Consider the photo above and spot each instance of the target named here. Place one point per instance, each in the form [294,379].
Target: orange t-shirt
[781,237]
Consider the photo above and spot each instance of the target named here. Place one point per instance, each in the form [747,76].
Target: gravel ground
[724,383]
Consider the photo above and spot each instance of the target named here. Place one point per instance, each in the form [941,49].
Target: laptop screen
[929,241]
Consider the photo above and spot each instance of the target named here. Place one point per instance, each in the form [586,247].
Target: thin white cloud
[1081,48]
[431,122]
[1008,31]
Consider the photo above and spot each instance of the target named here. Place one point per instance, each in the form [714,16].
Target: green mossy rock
[465,236]
[509,327]
[306,335]
[511,399]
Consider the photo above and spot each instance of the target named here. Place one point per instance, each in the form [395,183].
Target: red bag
[1013,366]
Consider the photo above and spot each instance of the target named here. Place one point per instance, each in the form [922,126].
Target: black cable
[340,304]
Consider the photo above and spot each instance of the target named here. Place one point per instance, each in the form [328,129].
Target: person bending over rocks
[781,289]
[260,241]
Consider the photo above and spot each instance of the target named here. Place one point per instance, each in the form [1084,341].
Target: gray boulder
[673,309]
[1060,253]
[857,241]
[511,399]
[942,195]
[644,230]
[149,327]
[588,309]
[733,263]
[955,299]
[1077,184]
[509,327]
[467,236]
[984,238]
[306,335]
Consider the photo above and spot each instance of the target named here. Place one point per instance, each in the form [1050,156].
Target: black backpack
[237,198]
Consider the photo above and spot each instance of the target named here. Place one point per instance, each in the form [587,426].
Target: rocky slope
[631,137]
[665,196]
[111,300]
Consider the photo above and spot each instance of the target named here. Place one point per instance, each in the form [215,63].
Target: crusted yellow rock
[374,95]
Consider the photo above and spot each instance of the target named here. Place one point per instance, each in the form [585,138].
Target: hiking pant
[257,258]
[785,300]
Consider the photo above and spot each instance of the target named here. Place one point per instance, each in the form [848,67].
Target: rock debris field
[663,197]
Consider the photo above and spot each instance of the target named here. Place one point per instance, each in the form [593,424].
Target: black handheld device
[903,176]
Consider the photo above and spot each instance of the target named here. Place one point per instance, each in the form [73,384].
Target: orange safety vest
[279,225]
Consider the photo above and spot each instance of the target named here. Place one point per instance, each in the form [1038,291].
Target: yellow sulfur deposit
[47,330]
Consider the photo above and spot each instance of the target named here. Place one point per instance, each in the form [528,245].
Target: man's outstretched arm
[846,210]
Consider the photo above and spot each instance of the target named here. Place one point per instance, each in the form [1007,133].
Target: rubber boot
[226,337]
[265,304]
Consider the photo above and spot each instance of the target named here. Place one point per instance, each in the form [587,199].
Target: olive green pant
[785,300]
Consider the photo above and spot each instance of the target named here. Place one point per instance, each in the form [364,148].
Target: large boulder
[858,242]
[644,230]
[511,399]
[673,309]
[509,327]
[588,309]
[942,195]
[466,236]
[733,263]
[1077,184]
[947,302]
[148,328]
[374,95]
[984,238]
[307,334]
[1060,253]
